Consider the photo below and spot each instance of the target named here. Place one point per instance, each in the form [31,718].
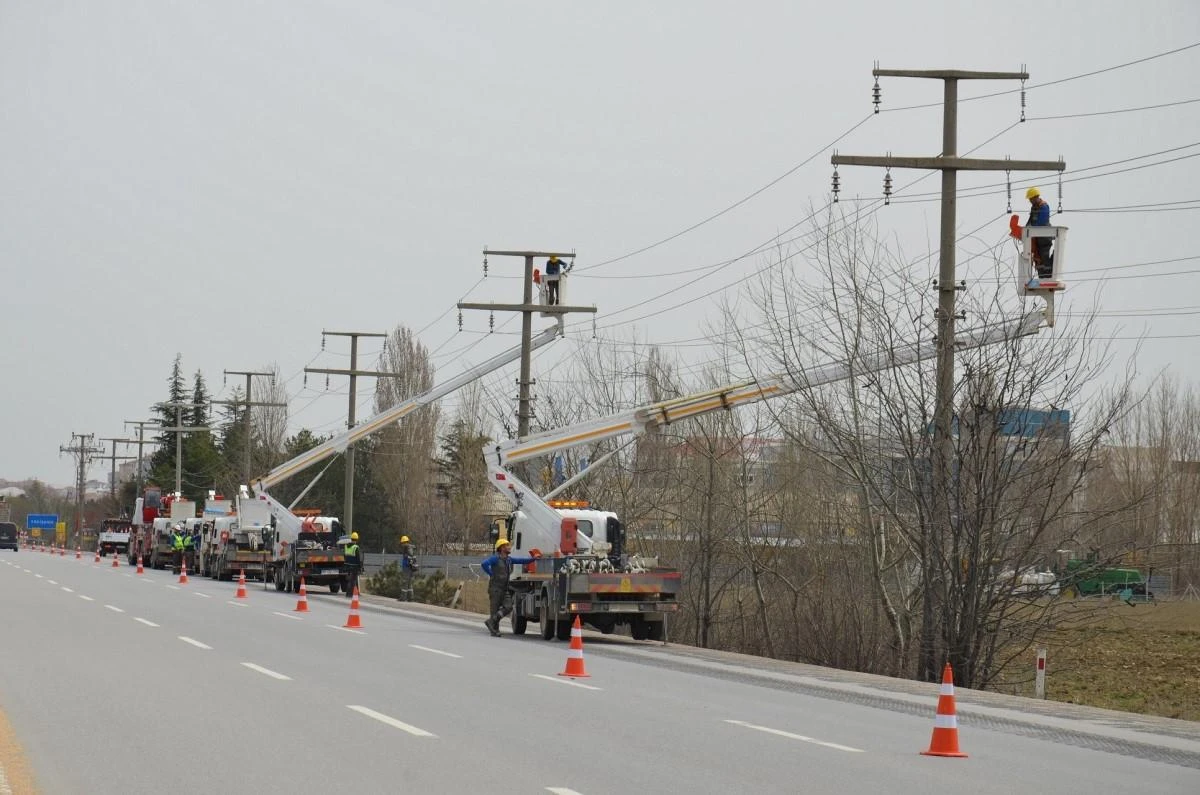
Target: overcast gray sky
[226,179]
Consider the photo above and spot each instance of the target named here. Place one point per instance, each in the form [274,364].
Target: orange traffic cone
[241,591]
[302,605]
[97,560]
[945,723]
[574,667]
[78,552]
[183,572]
[139,568]
[116,558]
[62,551]
[354,622]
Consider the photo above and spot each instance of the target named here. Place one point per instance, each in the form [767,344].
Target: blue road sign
[41,521]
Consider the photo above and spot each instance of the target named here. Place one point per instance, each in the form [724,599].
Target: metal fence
[454,567]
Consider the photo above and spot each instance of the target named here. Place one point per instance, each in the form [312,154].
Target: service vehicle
[114,537]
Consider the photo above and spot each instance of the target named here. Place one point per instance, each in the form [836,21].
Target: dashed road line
[800,737]
[267,671]
[114,608]
[435,651]
[390,721]
[68,590]
[86,598]
[562,791]
[194,642]
[346,629]
[237,604]
[147,623]
[52,582]
[40,577]
[173,587]
[201,595]
[287,615]
[565,681]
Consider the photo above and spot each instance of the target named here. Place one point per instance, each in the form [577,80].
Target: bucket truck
[289,528]
[583,569]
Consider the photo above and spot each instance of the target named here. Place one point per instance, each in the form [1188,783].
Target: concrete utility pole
[249,404]
[114,458]
[81,447]
[179,430]
[140,443]
[949,163]
[354,373]
[527,308]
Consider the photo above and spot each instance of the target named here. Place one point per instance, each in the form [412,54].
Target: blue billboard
[41,521]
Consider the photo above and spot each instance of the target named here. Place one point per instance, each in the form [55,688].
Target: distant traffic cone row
[945,723]
[241,591]
[302,604]
[574,667]
[183,572]
[354,622]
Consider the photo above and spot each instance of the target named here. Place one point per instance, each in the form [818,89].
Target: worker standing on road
[353,564]
[499,569]
[177,545]
[408,569]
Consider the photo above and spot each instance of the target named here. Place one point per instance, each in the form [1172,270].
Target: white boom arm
[643,419]
[285,520]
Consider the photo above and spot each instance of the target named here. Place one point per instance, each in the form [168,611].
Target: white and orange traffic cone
[241,591]
[78,552]
[116,559]
[354,622]
[574,667]
[302,603]
[97,560]
[140,570]
[945,723]
[183,572]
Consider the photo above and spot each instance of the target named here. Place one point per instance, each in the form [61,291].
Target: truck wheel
[519,624]
[545,621]
[335,586]
[654,630]
[278,580]
[639,628]
[564,627]
[290,585]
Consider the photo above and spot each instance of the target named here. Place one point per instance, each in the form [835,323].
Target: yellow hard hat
[1032,192]
[403,539]
[504,542]
[354,536]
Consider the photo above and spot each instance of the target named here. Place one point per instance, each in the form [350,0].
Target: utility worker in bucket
[499,569]
[1039,215]
[353,564]
[553,274]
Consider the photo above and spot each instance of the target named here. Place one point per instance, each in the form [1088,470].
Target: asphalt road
[115,683]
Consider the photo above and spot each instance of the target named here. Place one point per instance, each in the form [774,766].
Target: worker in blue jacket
[1039,215]
[499,569]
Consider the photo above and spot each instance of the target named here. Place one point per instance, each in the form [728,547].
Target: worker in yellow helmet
[408,569]
[499,569]
[1039,215]
[353,564]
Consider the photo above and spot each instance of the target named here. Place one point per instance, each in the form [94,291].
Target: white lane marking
[127,574]
[86,598]
[40,577]
[562,791]
[562,680]
[346,629]
[237,604]
[173,587]
[435,651]
[68,590]
[390,721]
[799,737]
[267,671]
[114,609]
[194,642]
[147,623]
[287,615]
[143,579]
[52,582]
[205,595]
